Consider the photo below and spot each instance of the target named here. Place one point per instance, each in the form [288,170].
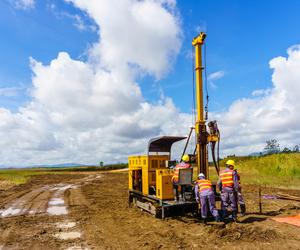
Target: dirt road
[90,211]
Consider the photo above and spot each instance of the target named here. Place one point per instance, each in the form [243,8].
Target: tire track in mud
[12,197]
[25,203]
[49,206]
[38,200]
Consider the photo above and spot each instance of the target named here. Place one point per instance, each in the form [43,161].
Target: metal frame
[159,208]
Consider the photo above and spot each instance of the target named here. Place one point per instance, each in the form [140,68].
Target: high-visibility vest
[204,185]
[226,177]
[179,166]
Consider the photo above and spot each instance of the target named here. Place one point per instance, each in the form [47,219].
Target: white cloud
[92,111]
[261,92]
[201,27]
[214,77]
[95,110]
[250,122]
[82,23]
[23,4]
[135,32]
[10,91]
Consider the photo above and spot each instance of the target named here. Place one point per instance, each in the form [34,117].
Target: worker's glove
[197,199]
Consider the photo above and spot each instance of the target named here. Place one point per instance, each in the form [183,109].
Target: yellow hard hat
[185,158]
[230,163]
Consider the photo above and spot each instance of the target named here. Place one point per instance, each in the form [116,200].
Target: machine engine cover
[185,176]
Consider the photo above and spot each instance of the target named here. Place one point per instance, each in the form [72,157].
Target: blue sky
[242,37]
[40,33]
[108,87]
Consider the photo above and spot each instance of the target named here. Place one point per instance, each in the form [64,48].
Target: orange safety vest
[175,177]
[226,177]
[204,185]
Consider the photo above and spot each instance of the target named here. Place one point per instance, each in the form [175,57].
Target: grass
[272,170]
[21,176]
[18,176]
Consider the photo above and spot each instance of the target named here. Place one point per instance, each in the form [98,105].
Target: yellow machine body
[164,190]
[148,174]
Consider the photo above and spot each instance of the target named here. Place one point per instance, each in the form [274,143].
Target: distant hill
[256,154]
[61,165]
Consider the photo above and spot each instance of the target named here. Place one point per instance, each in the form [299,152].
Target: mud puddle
[37,216]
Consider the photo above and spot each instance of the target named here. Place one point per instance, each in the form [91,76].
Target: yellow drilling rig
[150,185]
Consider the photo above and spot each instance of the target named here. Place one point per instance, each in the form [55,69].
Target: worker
[228,185]
[175,179]
[205,195]
[239,196]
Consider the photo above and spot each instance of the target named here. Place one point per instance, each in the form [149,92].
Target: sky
[93,80]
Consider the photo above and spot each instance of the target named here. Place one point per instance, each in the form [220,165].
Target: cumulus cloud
[87,111]
[94,110]
[23,4]
[272,114]
[134,32]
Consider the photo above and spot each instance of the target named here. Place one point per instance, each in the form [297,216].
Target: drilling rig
[149,176]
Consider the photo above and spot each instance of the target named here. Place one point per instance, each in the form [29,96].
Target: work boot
[234,215]
[205,221]
[175,193]
[223,214]
[179,198]
[218,219]
[243,209]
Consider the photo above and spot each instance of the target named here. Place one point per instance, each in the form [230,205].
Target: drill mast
[200,126]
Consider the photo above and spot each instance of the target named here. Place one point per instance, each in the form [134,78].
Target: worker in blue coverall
[229,186]
[240,198]
[205,195]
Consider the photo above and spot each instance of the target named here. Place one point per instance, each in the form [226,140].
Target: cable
[205,82]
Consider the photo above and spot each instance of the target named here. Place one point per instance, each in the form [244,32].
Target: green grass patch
[273,170]
[114,166]
[21,176]
[18,176]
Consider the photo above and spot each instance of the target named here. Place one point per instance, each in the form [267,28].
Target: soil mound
[235,232]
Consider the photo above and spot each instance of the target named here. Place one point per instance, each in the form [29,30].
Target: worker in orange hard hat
[228,185]
[175,179]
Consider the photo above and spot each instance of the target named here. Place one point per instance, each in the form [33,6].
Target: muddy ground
[90,211]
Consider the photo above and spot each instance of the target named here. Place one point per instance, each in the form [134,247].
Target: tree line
[273,147]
